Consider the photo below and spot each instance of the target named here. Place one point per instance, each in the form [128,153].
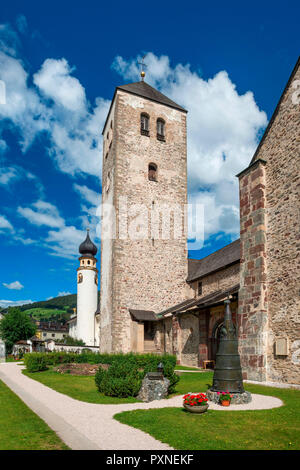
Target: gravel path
[91,426]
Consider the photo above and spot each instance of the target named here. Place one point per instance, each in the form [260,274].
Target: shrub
[35,362]
[124,367]
[120,380]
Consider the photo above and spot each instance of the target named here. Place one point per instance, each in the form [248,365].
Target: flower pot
[196,408]
[225,402]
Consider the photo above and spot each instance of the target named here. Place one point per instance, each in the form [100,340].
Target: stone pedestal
[153,389]
[237,399]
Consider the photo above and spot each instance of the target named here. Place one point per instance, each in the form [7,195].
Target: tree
[14,326]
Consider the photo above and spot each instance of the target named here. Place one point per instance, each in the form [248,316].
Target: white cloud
[14,303]
[7,174]
[5,224]
[62,294]
[62,240]
[43,213]
[55,104]
[222,134]
[88,194]
[55,81]
[13,285]
[65,242]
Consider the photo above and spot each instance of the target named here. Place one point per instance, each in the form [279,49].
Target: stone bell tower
[87,292]
[144,171]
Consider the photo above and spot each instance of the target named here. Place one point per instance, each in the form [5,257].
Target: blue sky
[226,63]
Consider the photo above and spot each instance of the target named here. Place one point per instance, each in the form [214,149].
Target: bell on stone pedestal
[228,371]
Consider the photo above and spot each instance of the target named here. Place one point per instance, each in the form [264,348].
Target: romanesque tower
[87,292]
[144,185]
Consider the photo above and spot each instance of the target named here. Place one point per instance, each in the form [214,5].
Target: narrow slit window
[152,172]
[199,288]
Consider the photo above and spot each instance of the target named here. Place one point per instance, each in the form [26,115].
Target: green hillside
[57,309]
[61,303]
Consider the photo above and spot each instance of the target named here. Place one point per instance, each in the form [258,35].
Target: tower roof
[88,248]
[146,91]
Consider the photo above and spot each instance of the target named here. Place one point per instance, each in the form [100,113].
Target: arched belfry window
[152,172]
[145,124]
[160,129]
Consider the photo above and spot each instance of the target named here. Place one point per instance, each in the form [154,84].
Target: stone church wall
[269,205]
[220,280]
[281,151]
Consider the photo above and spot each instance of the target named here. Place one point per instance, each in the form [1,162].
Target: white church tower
[87,293]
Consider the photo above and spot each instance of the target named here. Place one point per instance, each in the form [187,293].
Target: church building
[155,299]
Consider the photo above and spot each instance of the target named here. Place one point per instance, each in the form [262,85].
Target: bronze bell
[228,371]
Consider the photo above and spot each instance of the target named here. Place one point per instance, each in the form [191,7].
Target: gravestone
[2,351]
[154,387]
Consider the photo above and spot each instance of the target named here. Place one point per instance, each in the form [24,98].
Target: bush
[125,375]
[35,362]
[123,368]
[120,380]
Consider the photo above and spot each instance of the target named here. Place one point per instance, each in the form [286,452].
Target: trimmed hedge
[124,376]
[35,362]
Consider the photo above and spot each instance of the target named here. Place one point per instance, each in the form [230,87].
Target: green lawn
[263,429]
[79,387]
[21,428]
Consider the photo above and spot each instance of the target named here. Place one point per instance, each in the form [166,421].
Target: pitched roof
[146,91]
[143,315]
[201,302]
[226,256]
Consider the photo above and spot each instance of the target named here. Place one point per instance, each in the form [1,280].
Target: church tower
[87,292]
[144,188]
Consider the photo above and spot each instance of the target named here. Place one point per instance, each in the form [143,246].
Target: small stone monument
[2,351]
[154,386]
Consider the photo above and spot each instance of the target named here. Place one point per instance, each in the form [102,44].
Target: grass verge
[21,428]
[275,429]
[80,387]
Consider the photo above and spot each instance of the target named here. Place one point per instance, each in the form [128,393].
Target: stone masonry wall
[252,313]
[220,280]
[145,274]
[281,151]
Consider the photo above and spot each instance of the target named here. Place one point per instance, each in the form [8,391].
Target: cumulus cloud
[222,134]
[55,81]
[13,285]
[55,104]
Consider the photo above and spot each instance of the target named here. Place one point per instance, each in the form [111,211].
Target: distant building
[51,330]
[84,324]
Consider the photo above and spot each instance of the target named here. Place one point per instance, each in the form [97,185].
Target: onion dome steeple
[88,248]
